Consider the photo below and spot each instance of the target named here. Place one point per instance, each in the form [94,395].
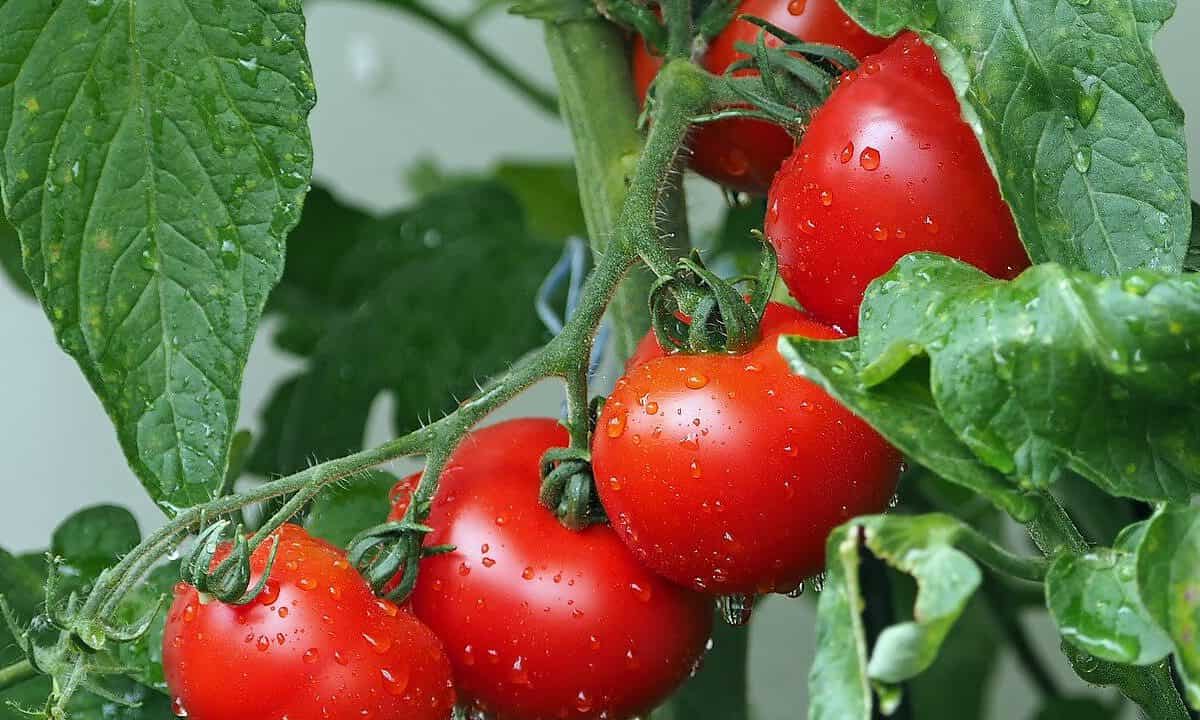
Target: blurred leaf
[10,258]
[1094,600]
[1168,577]
[843,671]
[422,304]
[1056,370]
[23,588]
[957,684]
[555,10]
[718,690]
[154,158]
[549,192]
[91,540]
[145,654]
[1070,103]
[341,511]
[1076,709]
[731,248]
[1192,262]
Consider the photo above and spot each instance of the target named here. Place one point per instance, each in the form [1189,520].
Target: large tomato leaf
[343,510]
[154,158]
[845,670]
[1072,108]
[420,304]
[1168,578]
[1054,370]
[10,258]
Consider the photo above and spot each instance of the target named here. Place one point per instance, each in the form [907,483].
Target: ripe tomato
[315,645]
[775,320]
[727,472]
[542,623]
[887,167]
[744,154]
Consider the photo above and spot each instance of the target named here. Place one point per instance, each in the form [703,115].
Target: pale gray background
[391,93]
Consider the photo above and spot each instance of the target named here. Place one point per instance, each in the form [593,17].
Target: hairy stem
[460,32]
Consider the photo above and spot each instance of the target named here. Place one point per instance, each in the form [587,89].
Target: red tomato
[542,623]
[727,472]
[744,154]
[775,320]
[887,167]
[315,645]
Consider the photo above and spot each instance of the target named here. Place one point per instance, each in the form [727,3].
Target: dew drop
[736,609]
[651,408]
[826,198]
[616,426]
[696,381]
[394,682]
[847,153]
[464,569]
[1083,159]
[641,592]
[931,225]
[379,645]
[517,675]
[488,562]
[614,482]
[178,708]
[796,7]
[879,233]
[311,656]
[283,612]
[306,583]
[869,160]
[695,469]
[527,573]
[189,613]
[263,644]
[340,658]
[388,608]
[583,702]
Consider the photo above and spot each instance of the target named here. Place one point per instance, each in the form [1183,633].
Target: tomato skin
[744,154]
[886,168]
[776,319]
[726,473]
[542,623]
[315,645]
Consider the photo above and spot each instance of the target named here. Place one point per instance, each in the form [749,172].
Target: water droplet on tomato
[488,562]
[468,656]
[869,159]
[594,641]
[263,644]
[616,426]
[340,658]
[394,682]
[189,613]
[642,593]
[614,482]
[283,612]
[631,660]
[695,469]
[335,592]
[931,225]
[879,233]
[311,656]
[651,408]
[501,519]
[517,674]
[379,645]
[736,609]
[280,638]
[527,573]
[796,7]
[690,442]
[583,702]
[178,708]
[306,583]
[696,381]
[464,569]
[826,198]
[388,608]
[847,153]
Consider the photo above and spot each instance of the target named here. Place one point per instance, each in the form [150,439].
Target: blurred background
[393,94]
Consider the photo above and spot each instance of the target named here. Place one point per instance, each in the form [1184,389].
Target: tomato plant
[726,473]
[743,154]
[542,622]
[315,643]
[886,168]
[983,208]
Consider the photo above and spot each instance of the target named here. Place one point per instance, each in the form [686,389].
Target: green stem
[16,674]
[997,558]
[460,32]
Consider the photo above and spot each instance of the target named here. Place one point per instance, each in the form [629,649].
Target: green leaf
[1071,106]
[922,546]
[1094,600]
[411,307]
[903,411]
[10,258]
[1056,370]
[93,539]
[718,690]
[549,193]
[154,158]
[341,511]
[85,706]
[1168,577]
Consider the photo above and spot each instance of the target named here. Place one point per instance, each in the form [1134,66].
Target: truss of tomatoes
[721,474]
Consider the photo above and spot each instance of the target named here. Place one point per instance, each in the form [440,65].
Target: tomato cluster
[721,474]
